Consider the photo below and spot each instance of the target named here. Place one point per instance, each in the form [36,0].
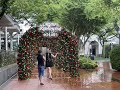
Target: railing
[7,58]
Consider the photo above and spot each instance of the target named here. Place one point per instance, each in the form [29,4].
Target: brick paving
[99,79]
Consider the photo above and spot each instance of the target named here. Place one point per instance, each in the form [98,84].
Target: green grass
[115,79]
[101,58]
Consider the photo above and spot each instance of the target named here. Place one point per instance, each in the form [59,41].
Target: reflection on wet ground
[98,79]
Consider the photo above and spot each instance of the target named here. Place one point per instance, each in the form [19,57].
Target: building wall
[94,38]
[7,72]
[88,46]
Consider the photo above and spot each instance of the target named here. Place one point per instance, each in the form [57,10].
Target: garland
[66,44]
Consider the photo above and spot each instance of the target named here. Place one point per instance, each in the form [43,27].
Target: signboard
[50,29]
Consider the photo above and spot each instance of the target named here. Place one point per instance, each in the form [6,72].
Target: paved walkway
[99,79]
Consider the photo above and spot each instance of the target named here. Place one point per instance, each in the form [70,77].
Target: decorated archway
[65,43]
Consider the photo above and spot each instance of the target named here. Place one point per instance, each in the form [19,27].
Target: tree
[102,37]
[75,20]
[4,5]
[117,28]
[34,11]
[109,9]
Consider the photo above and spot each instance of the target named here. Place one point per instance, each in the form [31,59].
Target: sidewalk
[100,79]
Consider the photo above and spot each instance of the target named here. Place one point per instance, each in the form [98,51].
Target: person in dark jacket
[40,66]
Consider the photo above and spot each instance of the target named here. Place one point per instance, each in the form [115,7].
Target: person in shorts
[49,63]
[41,60]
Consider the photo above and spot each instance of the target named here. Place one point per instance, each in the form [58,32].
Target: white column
[0,41]
[11,43]
[6,39]
[18,39]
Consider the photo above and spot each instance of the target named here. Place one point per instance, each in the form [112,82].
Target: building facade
[93,46]
[9,33]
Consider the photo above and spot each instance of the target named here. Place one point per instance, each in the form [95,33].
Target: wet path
[99,79]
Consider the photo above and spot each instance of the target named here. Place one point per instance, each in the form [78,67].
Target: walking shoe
[41,84]
[50,78]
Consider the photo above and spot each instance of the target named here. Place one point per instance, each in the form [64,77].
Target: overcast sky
[24,27]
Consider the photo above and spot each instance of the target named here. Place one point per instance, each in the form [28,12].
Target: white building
[9,33]
[93,45]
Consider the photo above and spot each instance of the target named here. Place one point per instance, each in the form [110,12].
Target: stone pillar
[6,39]
[0,41]
[11,43]
[18,38]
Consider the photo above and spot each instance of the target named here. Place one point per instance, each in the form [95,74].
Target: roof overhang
[7,21]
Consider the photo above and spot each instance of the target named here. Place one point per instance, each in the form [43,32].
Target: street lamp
[119,35]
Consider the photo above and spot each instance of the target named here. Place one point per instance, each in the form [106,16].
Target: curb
[6,82]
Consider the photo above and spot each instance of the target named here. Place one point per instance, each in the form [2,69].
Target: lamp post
[119,35]
[90,47]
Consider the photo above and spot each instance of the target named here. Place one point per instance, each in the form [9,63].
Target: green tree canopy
[35,10]
[4,5]
[76,16]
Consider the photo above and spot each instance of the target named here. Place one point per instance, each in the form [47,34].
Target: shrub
[115,58]
[87,63]
[7,58]
[82,56]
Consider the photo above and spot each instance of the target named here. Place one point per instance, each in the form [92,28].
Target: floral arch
[66,44]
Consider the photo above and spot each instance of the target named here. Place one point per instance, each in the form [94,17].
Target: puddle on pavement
[100,78]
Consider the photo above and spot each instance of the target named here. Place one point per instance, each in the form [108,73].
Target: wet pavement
[102,78]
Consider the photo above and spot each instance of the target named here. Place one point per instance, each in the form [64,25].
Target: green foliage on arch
[66,44]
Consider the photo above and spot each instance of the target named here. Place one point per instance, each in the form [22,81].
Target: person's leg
[40,80]
[50,72]
[39,73]
[47,72]
[42,75]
